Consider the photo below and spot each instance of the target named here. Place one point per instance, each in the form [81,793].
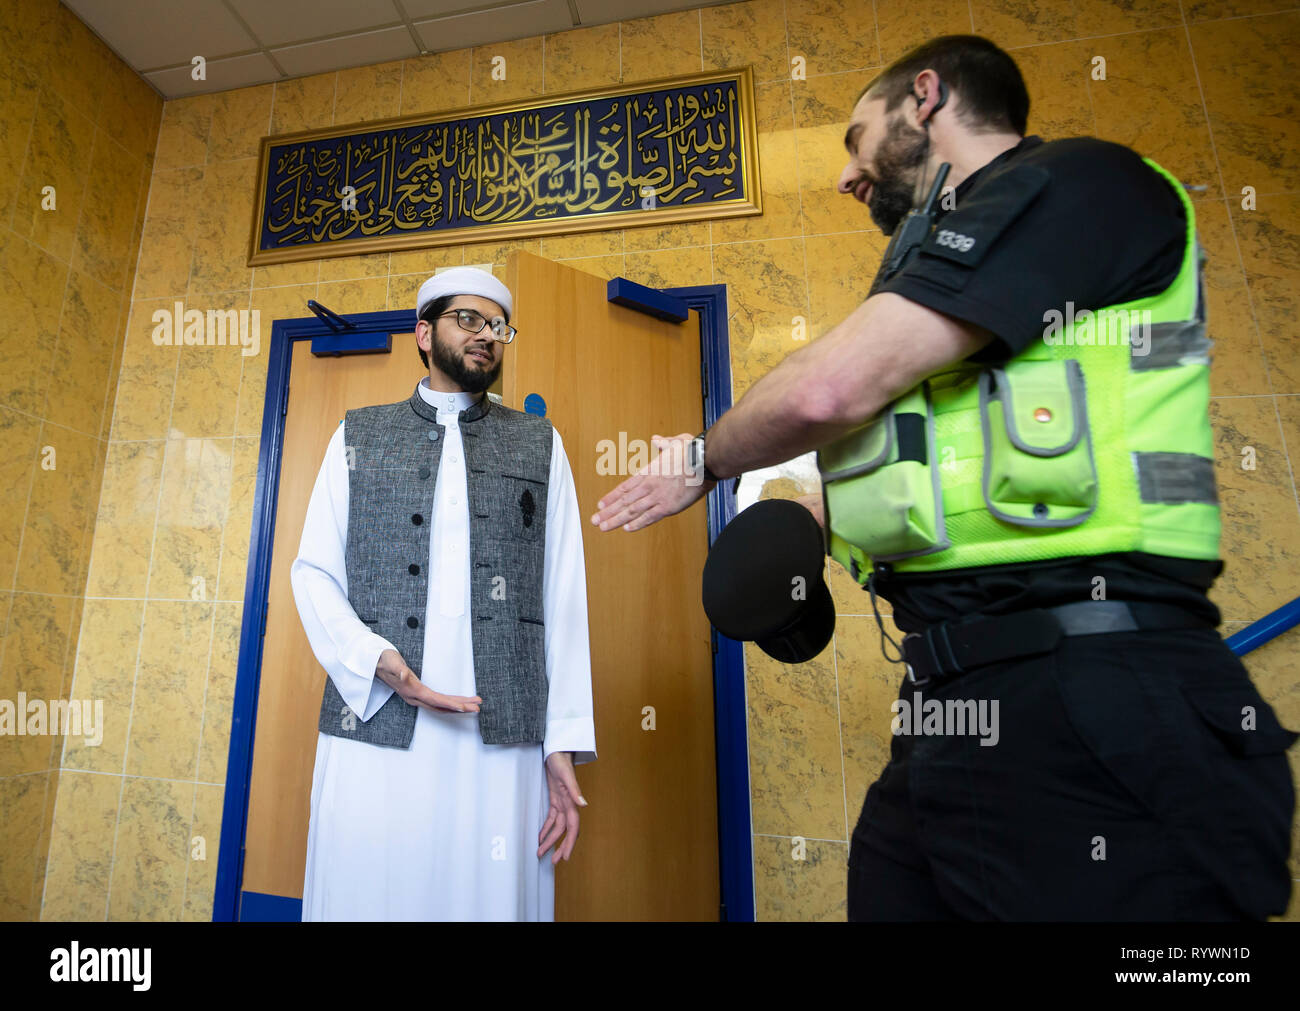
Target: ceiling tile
[222,75]
[349,51]
[162,33]
[284,22]
[518,21]
[602,12]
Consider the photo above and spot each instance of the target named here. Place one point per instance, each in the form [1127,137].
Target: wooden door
[649,842]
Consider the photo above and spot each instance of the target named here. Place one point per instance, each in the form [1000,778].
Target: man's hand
[392,670]
[566,798]
[664,486]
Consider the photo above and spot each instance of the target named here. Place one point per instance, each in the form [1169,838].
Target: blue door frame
[372,332]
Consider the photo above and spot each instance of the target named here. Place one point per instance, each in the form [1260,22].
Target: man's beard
[469,378]
[901,154]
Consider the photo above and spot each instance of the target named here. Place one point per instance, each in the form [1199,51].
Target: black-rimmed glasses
[473,321]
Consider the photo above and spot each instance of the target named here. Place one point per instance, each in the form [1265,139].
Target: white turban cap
[464,281]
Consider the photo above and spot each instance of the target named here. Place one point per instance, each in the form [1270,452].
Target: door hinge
[265,611]
[284,409]
[704,377]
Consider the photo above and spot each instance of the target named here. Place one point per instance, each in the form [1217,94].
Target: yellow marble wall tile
[667,45]
[343,268]
[81,846]
[218,702]
[305,103]
[740,34]
[810,889]
[366,93]
[1261,531]
[142,406]
[22,799]
[240,119]
[124,524]
[277,275]
[362,295]
[904,26]
[648,237]
[795,778]
[19,439]
[80,63]
[1204,10]
[670,268]
[57,512]
[208,377]
[107,649]
[115,369]
[583,58]
[32,286]
[840,271]
[1057,78]
[404,289]
[766,289]
[822,107]
[35,644]
[152,850]
[495,252]
[1150,102]
[183,132]
[168,710]
[832,35]
[1026,22]
[108,220]
[58,155]
[579,244]
[239,520]
[1107,17]
[435,83]
[221,246]
[1269,239]
[1237,362]
[84,355]
[18,99]
[522,69]
[191,515]
[201,875]
[130,110]
[869,684]
[170,228]
[780,179]
[601,266]
[425,261]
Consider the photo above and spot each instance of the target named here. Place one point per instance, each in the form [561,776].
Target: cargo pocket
[881,492]
[1240,719]
[1039,469]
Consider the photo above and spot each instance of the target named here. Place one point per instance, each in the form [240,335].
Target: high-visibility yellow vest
[1095,439]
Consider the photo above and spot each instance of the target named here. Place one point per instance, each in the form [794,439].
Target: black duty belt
[949,648]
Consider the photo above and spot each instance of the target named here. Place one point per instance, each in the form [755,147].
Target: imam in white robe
[447,829]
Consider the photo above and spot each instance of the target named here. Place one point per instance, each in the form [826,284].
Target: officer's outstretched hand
[664,486]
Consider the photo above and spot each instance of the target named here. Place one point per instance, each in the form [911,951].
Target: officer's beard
[898,161]
[471,378]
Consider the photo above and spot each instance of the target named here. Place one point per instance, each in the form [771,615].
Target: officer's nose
[848,178]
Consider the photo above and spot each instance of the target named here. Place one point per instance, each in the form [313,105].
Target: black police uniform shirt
[1077,220]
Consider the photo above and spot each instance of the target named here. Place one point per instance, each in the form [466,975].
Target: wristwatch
[695,458]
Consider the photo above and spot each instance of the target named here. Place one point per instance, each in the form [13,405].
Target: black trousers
[1135,776]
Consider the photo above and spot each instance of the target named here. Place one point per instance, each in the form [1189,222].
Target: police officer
[1015,449]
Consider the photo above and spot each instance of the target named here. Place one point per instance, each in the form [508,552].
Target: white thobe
[447,829]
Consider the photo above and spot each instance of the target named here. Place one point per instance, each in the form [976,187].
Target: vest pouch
[1039,469]
[881,494]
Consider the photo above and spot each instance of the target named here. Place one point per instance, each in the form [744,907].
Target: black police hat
[763,581]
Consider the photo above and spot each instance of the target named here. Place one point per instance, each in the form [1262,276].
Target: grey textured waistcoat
[394,451]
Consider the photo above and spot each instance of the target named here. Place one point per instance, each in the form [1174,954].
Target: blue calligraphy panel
[650,153]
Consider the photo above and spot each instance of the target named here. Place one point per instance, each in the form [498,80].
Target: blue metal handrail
[1268,627]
